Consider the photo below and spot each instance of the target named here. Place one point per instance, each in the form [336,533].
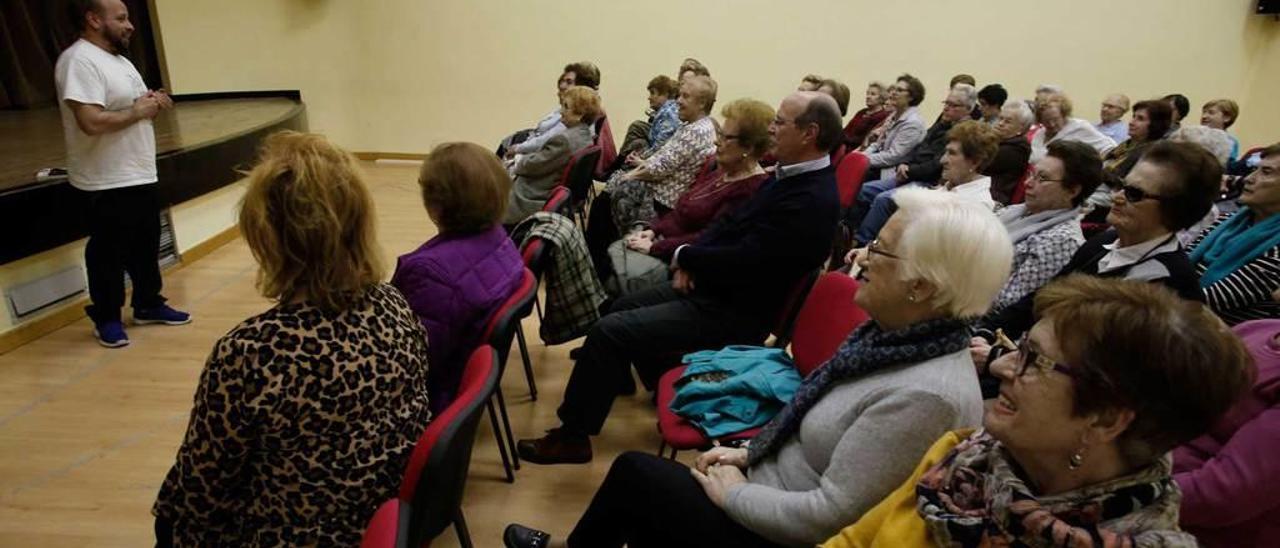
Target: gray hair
[967,93]
[1021,112]
[956,245]
[1214,140]
[1048,88]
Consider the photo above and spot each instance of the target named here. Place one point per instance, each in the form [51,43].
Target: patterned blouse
[302,424]
[674,165]
[1037,258]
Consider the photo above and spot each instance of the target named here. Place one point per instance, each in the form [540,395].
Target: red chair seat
[677,432]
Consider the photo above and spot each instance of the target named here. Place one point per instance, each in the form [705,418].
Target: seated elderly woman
[866,119]
[1055,116]
[456,280]
[1149,124]
[538,174]
[991,100]
[1228,476]
[855,424]
[895,138]
[1044,229]
[740,143]
[1010,164]
[1173,186]
[1221,114]
[654,182]
[527,141]
[970,146]
[305,414]
[1238,258]
[661,123]
[1075,450]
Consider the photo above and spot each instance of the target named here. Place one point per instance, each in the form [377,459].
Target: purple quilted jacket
[454,283]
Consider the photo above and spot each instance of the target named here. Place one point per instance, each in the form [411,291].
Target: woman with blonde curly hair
[304,414]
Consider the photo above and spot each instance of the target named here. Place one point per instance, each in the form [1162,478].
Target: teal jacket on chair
[735,388]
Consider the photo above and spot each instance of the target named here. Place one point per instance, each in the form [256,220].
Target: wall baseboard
[72,311]
[374,156]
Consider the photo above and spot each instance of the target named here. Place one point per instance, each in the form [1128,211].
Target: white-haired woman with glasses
[855,426]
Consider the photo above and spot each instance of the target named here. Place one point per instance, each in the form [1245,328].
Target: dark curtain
[34,32]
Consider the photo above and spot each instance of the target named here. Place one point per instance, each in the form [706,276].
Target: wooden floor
[87,433]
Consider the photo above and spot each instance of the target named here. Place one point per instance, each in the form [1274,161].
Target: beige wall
[403,75]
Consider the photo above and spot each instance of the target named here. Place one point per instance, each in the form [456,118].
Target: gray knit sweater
[858,443]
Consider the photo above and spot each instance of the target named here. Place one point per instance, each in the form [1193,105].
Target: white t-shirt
[87,74]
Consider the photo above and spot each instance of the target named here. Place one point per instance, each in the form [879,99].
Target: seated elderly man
[655,181]
[923,165]
[1112,124]
[728,285]
[526,141]
[1055,116]
[1010,163]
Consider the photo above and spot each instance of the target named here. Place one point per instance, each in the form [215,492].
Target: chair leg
[460,526]
[662,448]
[673,453]
[537,305]
[528,365]
[506,426]
[502,446]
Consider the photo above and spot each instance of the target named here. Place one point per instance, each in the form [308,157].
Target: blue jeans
[882,207]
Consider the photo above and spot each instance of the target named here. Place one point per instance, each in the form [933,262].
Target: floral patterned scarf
[973,498]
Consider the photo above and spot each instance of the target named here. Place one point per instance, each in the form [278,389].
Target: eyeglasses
[727,136]
[952,104]
[1038,178]
[1135,194]
[780,121]
[1043,364]
[875,249]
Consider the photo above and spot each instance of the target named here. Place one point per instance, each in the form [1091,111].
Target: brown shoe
[557,447]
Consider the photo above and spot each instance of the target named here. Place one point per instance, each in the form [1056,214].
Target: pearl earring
[1077,459]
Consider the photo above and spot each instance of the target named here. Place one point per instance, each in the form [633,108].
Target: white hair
[1048,88]
[1214,140]
[967,93]
[1021,112]
[958,246]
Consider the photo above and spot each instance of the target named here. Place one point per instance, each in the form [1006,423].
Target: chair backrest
[504,322]
[825,321]
[436,475]
[849,176]
[1020,190]
[534,253]
[838,154]
[580,173]
[608,149]
[791,308]
[389,527]
[558,202]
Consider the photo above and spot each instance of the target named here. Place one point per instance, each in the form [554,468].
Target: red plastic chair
[837,155]
[559,201]
[849,175]
[821,325]
[1020,191]
[389,527]
[502,326]
[436,474]
[608,150]
[534,251]
[579,177]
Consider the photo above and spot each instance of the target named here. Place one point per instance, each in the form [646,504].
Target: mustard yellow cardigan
[894,522]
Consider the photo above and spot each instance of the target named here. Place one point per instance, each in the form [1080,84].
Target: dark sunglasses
[1135,194]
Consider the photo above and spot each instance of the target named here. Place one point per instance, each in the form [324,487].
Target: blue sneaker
[110,334]
[160,314]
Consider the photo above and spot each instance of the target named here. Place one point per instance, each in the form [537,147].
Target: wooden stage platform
[199,146]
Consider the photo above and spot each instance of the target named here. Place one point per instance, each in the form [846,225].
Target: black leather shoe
[557,447]
[519,536]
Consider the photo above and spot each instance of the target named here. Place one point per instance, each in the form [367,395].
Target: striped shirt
[1246,293]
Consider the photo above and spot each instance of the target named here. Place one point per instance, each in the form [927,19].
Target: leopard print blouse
[302,425]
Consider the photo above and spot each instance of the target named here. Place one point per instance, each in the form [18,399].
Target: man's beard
[119,43]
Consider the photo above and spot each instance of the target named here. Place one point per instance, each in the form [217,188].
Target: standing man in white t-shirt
[111,153]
